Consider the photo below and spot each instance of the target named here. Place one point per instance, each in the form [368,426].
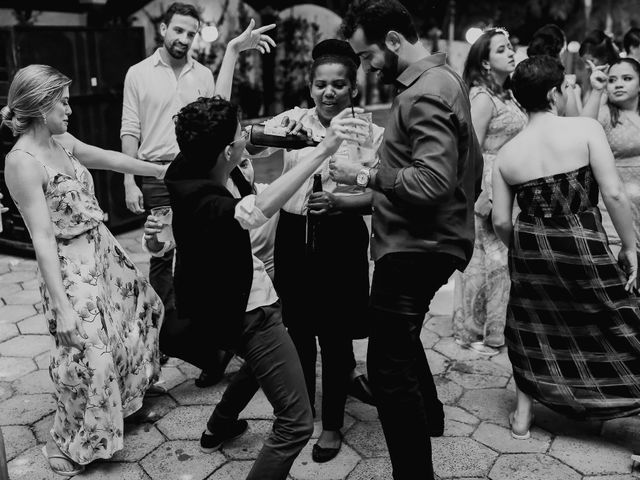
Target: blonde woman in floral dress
[103,316]
[482,290]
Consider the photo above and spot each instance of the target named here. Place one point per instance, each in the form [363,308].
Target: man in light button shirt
[154,91]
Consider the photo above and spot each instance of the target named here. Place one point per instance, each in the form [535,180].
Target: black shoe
[361,390]
[321,454]
[211,443]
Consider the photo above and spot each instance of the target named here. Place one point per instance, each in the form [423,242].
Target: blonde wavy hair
[33,93]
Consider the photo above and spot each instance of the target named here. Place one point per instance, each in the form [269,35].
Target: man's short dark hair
[532,80]
[204,128]
[631,39]
[177,8]
[377,18]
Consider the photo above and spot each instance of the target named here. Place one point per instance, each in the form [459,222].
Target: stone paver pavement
[478,393]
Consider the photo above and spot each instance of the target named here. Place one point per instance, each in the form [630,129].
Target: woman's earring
[44,118]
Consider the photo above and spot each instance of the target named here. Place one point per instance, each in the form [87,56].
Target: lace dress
[100,385]
[573,332]
[482,290]
[624,140]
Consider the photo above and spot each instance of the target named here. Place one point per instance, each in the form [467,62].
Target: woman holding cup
[325,292]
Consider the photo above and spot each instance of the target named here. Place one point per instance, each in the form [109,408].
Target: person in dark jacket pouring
[218,279]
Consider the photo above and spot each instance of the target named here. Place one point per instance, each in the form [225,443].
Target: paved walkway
[478,393]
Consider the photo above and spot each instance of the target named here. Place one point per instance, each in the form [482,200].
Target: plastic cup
[165,216]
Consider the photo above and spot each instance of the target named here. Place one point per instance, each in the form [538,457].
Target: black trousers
[403,286]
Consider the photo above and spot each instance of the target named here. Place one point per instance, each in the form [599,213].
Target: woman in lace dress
[102,314]
[573,322]
[481,291]
[620,118]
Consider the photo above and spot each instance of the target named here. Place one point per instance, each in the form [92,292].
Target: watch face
[362,179]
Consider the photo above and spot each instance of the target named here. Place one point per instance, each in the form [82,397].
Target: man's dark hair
[547,40]
[204,128]
[532,80]
[377,18]
[631,39]
[177,8]
[600,46]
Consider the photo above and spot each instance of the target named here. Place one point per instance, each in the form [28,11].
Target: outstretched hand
[254,39]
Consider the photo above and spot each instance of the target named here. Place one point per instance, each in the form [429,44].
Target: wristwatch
[362,179]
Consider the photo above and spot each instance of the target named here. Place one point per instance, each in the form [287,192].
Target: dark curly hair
[377,18]
[532,80]
[335,51]
[203,128]
[547,40]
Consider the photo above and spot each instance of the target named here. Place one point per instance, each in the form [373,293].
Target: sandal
[520,436]
[66,473]
[483,349]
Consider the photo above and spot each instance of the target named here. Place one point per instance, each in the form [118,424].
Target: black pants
[271,363]
[336,352]
[402,289]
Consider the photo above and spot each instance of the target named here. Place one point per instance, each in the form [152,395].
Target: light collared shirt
[367,157]
[152,96]
[251,217]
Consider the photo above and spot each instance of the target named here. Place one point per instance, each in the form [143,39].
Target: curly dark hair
[204,127]
[177,8]
[377,18]
[532,80]
[547,40]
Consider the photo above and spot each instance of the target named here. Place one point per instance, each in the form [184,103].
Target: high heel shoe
[520,436]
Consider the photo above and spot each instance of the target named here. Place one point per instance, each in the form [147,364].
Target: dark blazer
[214,266]
[430,166]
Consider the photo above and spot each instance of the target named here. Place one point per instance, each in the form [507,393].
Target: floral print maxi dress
[481,292]
[106,381]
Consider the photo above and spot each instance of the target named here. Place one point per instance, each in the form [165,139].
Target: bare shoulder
[586,125]
[67,140]
[23,169]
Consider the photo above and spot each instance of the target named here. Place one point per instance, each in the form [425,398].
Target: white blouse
[309,118]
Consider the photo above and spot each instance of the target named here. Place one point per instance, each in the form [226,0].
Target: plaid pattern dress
[573,332]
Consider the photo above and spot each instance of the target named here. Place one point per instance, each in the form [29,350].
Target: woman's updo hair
[532,80]
[33,93]
[600,46]
[335,51]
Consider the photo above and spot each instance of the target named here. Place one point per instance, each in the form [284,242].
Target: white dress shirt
[152,96]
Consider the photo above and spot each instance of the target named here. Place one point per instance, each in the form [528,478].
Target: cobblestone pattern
[478,393]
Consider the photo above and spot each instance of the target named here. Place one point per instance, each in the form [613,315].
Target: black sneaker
[212,443]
